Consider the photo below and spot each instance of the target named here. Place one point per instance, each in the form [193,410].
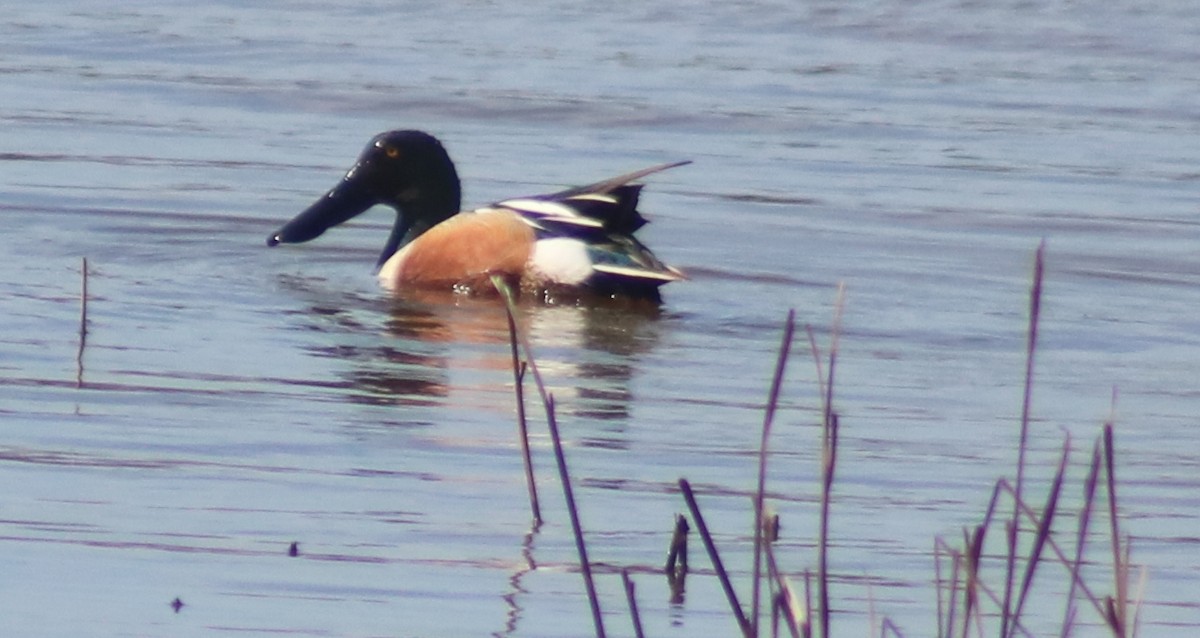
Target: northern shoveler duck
[576,240]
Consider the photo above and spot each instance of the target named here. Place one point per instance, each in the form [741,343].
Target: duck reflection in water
[586,353]
[447,349]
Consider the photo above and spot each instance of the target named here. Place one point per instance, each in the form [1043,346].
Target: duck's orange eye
[392,152]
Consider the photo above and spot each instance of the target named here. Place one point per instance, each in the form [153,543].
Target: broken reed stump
[83,323]
[677,559]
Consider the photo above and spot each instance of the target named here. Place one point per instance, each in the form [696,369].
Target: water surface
[236,399]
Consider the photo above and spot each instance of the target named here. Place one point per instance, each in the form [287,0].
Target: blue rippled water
[232,400]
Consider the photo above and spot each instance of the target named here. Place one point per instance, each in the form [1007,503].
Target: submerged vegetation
[984,580]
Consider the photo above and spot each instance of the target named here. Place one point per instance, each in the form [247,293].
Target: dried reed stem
[888,625]
[816,352]
[1014,528]
[585,566]
[945,611]
[1138,597]
[715,557]
[785,347]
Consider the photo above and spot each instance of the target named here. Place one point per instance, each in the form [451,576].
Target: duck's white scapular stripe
[541,207]
[561,260]
[586,222]
[534,211]
[625,271]
[595,197]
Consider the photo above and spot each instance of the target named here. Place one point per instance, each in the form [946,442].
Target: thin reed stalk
[1120,566]
[786,606]
[776,613]
[973,542]
[973,588]
[1014,528]
[631,597]
[806,628]
[795,613]
[1043,530]
[1059,554]
[829,430]
[816,352]
[519,368]
[938,584]
[715,557]
[1085,517]
[785,348]
[786,603]
[1139,597]
[945,586]
[976,541]
[888,625]
[585,566]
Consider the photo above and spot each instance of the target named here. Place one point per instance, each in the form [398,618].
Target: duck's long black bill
[343,202]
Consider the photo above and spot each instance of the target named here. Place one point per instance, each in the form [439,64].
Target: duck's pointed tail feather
[612,183]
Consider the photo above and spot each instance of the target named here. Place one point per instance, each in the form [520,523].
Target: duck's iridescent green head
[407,170]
